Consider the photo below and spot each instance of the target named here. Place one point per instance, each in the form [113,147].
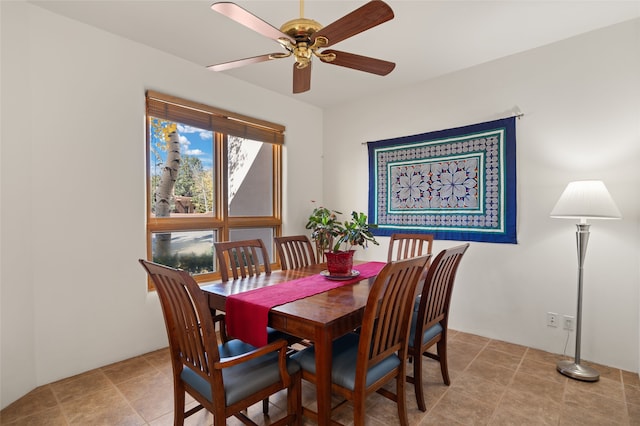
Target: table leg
[323,377]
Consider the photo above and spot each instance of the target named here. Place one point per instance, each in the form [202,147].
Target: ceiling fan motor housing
[301,28]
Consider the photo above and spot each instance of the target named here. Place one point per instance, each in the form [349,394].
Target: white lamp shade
[587,199]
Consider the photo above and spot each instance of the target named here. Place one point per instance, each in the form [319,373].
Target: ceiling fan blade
[301,78]
[249,20]
[368,16]
[359,62]
[242,62]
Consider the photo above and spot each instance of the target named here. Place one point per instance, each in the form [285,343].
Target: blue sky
[197,143]
[193,142]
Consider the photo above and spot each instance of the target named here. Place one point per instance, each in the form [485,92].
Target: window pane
[188,250]
[264,234]
[250,185]
[190,192]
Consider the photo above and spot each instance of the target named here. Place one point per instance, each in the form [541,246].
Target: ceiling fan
[304,38]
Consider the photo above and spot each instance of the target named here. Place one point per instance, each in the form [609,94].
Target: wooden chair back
[404,246]
[246,258]
[295,252]
[438,286]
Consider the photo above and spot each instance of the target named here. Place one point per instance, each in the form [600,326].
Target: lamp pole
[575,369]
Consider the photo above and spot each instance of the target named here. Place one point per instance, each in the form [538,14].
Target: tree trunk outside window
[164,191]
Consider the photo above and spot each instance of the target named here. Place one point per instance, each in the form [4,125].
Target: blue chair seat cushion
[345,355]
[429,333]
[244,379]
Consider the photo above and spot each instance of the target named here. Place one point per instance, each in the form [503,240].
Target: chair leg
[265,406]
[178,405]
[417,382]
[219,421]
[222,325]
[401,399]
[442,354]
[358,409]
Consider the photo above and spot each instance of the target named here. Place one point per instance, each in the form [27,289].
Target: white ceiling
[426,39]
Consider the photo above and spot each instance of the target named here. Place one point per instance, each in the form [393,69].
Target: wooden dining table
[320,318]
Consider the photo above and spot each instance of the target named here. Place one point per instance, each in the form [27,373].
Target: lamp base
[577,371]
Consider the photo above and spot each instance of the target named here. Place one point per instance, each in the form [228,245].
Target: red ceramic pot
[340,263]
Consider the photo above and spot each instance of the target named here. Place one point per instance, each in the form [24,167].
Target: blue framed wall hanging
[457,184]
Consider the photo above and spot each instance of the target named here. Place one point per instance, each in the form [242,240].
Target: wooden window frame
[221,123]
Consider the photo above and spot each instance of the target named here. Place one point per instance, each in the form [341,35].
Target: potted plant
[336,240]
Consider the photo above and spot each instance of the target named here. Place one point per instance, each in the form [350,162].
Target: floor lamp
[583,200]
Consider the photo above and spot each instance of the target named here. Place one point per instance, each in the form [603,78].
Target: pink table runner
[247,314]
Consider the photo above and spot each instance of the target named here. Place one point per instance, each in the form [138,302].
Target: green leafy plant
[330,234]
[324,226]
[355,232]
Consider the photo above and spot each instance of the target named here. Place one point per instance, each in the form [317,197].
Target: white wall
[73,189]
[581,100]
[17,317]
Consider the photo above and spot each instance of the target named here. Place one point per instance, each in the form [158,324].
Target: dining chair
[404,246]
[245,258]
[295,252]
[225,378]
[430,320]
[364,362]
[241,259]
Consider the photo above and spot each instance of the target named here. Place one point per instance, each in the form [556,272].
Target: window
[212,175]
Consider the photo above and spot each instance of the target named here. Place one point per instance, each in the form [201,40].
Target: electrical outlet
[552,319]
[568,322]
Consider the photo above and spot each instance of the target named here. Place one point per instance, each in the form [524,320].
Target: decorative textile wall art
[457,184]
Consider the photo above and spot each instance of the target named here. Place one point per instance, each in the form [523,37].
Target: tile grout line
[59,403]
[624,398]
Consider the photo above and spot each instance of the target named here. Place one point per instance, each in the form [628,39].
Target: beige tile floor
[493,383]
